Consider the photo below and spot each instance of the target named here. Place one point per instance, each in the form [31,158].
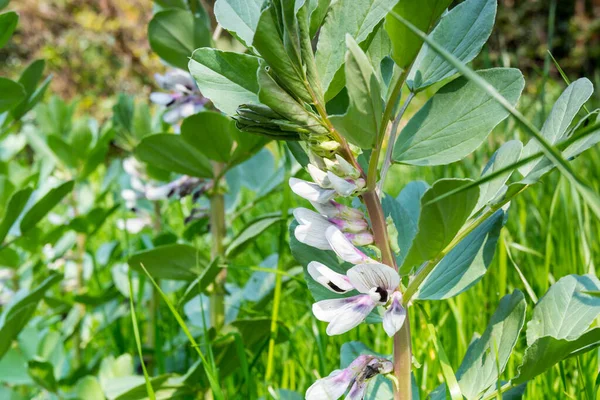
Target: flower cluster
[356,377]
[365,286]
[184,98]
[142,188]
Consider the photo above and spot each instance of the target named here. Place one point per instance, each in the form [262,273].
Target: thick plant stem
[402,341]
[217,230]
[403,362]
[380,234]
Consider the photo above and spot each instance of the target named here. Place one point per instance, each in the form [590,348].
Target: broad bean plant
[333,81]
[154,253]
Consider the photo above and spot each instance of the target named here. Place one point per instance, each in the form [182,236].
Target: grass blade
[214,383]
[447,371]
[138,342]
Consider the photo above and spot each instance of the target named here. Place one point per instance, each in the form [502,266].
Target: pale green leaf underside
[228,79]
[239,17]
[462,32]
[565,312]
[355,17]
[455,121]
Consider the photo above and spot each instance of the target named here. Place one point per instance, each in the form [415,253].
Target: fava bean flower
[377,286]
[353,379]
[184,98]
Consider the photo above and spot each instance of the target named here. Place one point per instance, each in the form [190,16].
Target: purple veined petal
[361,238]
[327,209]
[311,230]
[330,279]
[343,314]
[160,98]
[342,246]
[331,387]
[342,186]
[353,226]
[304,216]
[358,390]
[395,315]
[319,176]
[365,277]
[308,235]
[311,191]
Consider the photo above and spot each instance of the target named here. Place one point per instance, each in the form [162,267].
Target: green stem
[387,161]
[387,116]
[285,205]
[217,229]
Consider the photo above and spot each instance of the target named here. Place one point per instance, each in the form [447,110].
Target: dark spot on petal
[371,371]
[335,287]
[383,295]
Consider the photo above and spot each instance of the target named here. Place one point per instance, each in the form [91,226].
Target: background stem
[217,230]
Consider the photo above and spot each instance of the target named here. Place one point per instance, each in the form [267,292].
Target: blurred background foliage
[97,48]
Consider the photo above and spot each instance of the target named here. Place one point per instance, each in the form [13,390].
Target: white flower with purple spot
[184,98]
[355,377]
[377,285]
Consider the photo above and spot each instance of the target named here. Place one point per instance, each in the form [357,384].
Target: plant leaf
[546,351]
[250,232]
[360,17]
[180,262]
[174,34]
[16,204]
[463,32]
[362,121]
[424,14]
[12,94]
[228,79]
[172,153]
[16,315]
[439,222]
[8,24]
[509,153]
[555,127]
[44,205]
[457,119]
[465,264]
[239,17]
[480,367]
[565,312]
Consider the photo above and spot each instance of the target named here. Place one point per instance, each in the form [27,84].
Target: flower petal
[342,186]
[343,314]
[161,98]
[311,230]
[311,191]
[365,277]
[394,316]
[342,246]
[358,390]
[309,236]
[319,176]
[327,209]
[331,387]
[330,279]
